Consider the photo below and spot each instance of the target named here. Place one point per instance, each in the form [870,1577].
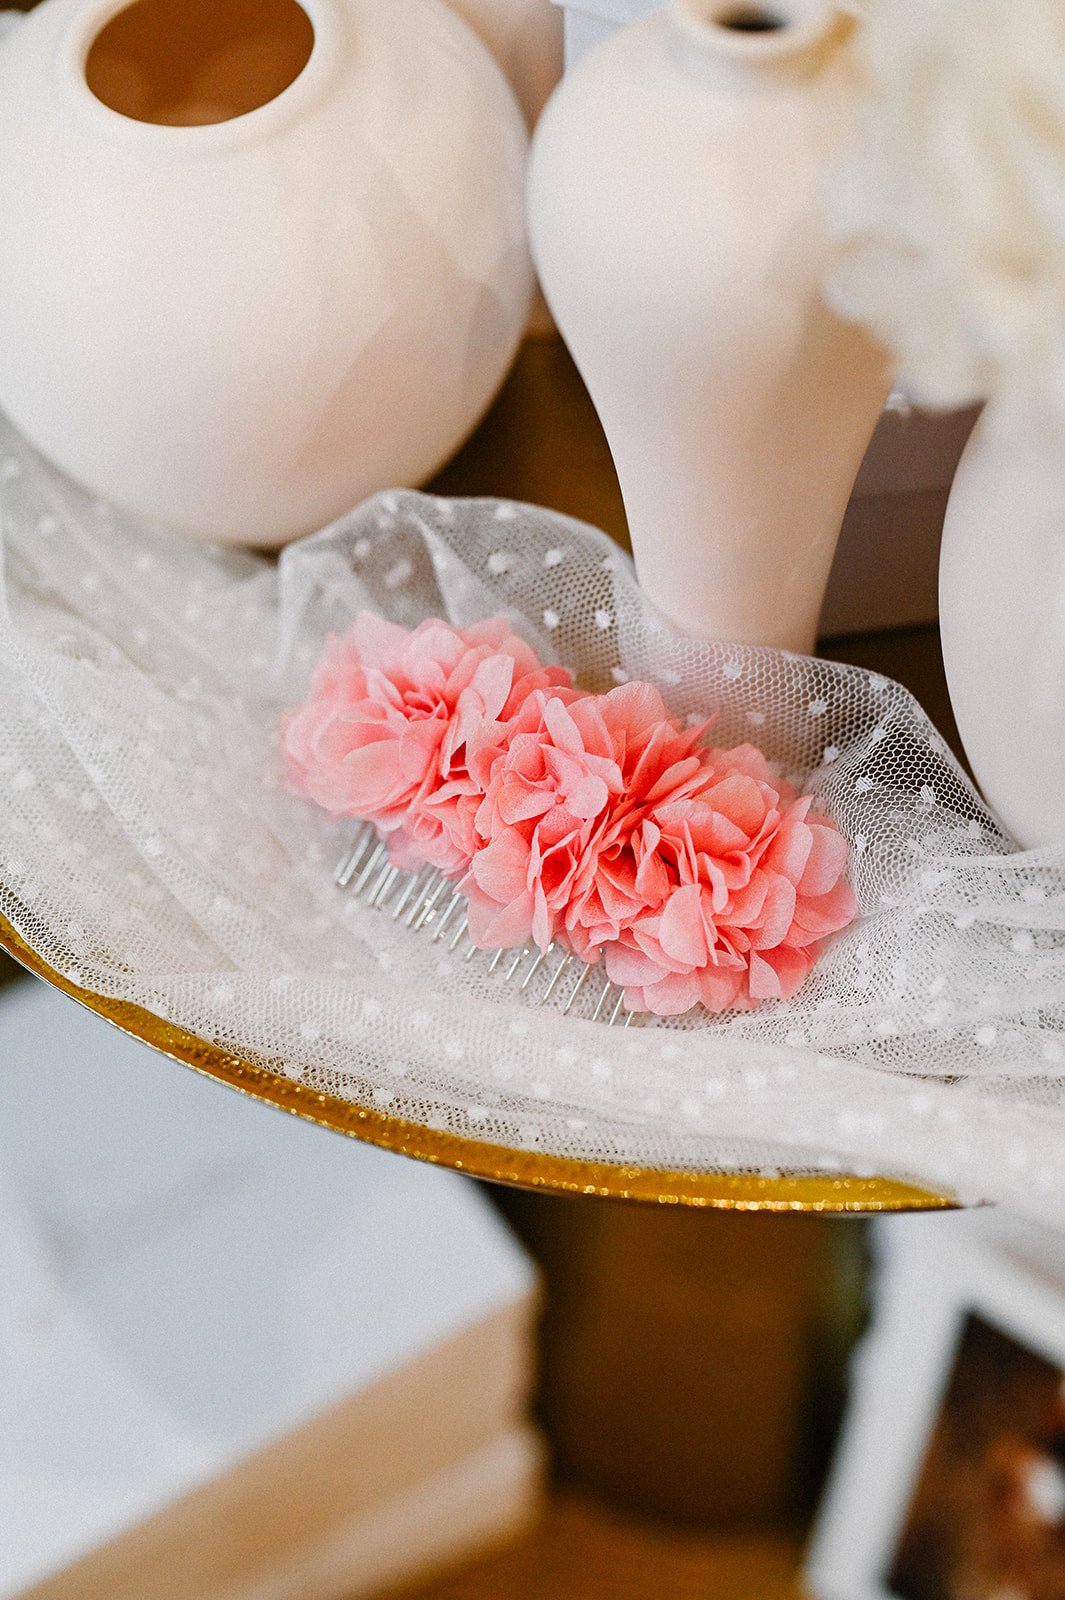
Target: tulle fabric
[151,852]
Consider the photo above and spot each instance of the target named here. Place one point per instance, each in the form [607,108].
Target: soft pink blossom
[593,820]
[718,892]
[565,769]
[391,716]
[699,876]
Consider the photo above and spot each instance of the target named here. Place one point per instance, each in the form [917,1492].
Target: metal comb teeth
[427,902]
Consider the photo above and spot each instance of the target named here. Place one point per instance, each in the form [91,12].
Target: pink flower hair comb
[427,902]
[591,826]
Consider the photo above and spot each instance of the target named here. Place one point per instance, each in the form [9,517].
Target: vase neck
[756,43]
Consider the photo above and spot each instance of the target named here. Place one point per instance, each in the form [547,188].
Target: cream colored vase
[1002,619]
[257,258]
[676,223]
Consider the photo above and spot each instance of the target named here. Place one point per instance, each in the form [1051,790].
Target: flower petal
[827,859]
[492,926]
[777,912]
[682,931]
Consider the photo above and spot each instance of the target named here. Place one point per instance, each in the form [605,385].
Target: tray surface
[521,1168]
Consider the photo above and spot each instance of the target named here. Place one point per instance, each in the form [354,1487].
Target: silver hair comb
[427,902]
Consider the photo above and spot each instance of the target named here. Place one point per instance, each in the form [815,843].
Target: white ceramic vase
[1002,618]
[676,223]
[243,326]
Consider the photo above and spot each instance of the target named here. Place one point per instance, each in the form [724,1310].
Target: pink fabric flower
[717,891]
[565,769]
[384,732]
[594,820]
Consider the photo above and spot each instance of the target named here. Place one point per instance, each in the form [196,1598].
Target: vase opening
[751,19]
[183,63]
[769,32]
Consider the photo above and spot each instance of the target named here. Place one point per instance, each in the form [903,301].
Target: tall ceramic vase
[676,223]
[258,258]
[1002,618]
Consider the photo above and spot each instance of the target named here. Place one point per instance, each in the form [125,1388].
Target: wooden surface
[541,442]
[582,1551]
[678,1370]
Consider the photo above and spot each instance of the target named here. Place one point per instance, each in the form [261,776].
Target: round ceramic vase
[243,326]
[1002,619]
[677,225]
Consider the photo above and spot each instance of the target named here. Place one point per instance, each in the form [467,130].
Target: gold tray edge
[518,1168]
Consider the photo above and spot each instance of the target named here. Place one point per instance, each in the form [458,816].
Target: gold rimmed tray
[742,1191]
[540,443]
